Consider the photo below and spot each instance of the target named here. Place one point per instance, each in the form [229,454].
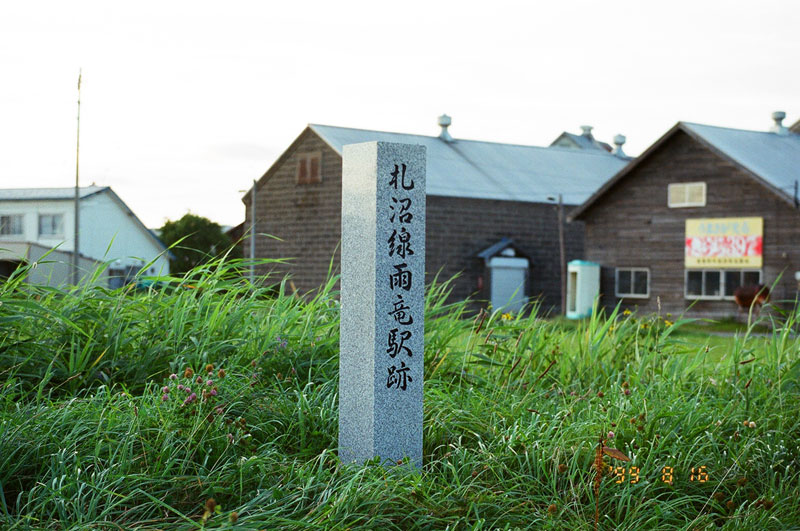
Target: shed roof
[496,248]
[489,170]
[772,159]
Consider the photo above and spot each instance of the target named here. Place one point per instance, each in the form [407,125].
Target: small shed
[583,287]
[507,270]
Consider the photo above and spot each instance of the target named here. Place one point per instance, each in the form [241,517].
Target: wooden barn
[492,210]
[701,212]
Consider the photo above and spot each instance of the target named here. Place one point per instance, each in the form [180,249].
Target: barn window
[632,282]
[718,284]
[11,225]
[681,195]
[309,168]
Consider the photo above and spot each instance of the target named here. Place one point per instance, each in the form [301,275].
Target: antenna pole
[562,253]
[76,251]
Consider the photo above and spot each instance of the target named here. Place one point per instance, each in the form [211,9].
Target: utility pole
[253,233]
[563,255]
[76,250]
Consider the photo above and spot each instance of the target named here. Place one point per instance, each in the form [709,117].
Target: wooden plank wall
[631,226]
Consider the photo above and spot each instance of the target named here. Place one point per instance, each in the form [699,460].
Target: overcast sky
[185,103]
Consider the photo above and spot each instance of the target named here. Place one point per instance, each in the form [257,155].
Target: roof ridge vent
[587,131]
[444,123]
[779,128]
[619,141]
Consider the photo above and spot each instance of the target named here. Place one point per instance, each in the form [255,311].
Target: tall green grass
[514,407]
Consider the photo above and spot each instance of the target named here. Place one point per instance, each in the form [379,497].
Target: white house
[35,220]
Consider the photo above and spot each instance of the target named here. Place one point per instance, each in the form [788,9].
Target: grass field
[133,409]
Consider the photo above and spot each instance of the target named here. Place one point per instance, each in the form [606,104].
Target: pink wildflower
[165,389]
[611,435]
[173,376]
[165,398]
[209,383]
[230,438]
[213,392]
[181,387]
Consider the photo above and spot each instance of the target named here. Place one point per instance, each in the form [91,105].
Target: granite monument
[382,303]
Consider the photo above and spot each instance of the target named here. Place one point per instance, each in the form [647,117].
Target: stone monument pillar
[382,295]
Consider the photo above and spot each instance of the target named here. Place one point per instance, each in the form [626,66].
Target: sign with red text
[724,243]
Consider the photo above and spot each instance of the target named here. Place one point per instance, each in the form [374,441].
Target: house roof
[68,194]
[47,194]
[489,170]
[770,158]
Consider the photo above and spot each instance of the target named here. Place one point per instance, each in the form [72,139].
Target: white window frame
[632,270]
[721,272]
[21,225]
[47,234]
[685,203]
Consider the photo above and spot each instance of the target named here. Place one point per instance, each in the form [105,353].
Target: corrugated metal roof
[47,194]
[488,170]
[775,158]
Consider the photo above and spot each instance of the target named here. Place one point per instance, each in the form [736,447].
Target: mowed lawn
[203,402]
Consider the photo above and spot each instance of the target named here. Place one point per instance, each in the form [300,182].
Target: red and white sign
[724,243]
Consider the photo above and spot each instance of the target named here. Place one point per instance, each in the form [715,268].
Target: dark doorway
[7,267]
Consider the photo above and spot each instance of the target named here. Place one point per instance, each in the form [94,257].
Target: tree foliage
[202,240]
